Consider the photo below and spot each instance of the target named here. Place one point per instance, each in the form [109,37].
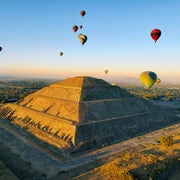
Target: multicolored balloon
[155,34]
[75,28]
[82,13]
[82,38]
[148,78]
[61,53]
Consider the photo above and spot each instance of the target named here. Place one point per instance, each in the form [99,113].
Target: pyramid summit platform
[84,110]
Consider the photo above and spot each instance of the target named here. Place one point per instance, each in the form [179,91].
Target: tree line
[14,90]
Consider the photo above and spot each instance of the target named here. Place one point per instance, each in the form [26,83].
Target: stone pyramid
[83,110]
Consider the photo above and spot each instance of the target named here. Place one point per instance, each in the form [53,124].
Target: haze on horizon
[34,32]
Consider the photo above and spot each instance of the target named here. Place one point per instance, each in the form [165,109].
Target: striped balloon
[82,38]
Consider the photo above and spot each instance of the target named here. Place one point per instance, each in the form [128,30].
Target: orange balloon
[158,81]
[105,71]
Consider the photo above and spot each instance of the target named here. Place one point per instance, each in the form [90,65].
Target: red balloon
[82,12]
[75,28]
[155,34]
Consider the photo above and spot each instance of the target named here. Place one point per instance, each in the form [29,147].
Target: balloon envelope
[148,78]
[114,84]
[82,38]
[75,28]
[105,71]
[158,81]
[155,34]
[82,12]
[61,53]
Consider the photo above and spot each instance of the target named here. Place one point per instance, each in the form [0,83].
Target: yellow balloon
[114,84]
[105,71]
[158,81]
[148,78]
[82,38]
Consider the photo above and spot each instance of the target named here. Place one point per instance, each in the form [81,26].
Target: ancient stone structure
[83,110]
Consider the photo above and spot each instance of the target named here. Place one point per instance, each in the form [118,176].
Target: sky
[32,33]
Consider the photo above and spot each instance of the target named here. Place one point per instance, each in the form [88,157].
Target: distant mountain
[128,80]
[6,77]
[134,80]
[111,79]
[124,80]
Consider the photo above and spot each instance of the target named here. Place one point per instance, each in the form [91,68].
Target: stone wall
[54,106]
[112,108]
[122,128]
[32,119]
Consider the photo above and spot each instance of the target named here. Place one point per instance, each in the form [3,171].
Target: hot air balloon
[0,48]
[155,34]
[75,28]
[80,27]
[158,81]
[61,53]
[82,38]
[114,84]
[105,71]
[148,78]
[82,13]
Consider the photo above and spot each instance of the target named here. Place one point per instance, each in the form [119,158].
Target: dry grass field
[156,161]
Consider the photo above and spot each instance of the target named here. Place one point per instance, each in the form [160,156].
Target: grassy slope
[153,162]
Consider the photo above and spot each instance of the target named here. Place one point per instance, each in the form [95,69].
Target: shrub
[114,171]
[166,141]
